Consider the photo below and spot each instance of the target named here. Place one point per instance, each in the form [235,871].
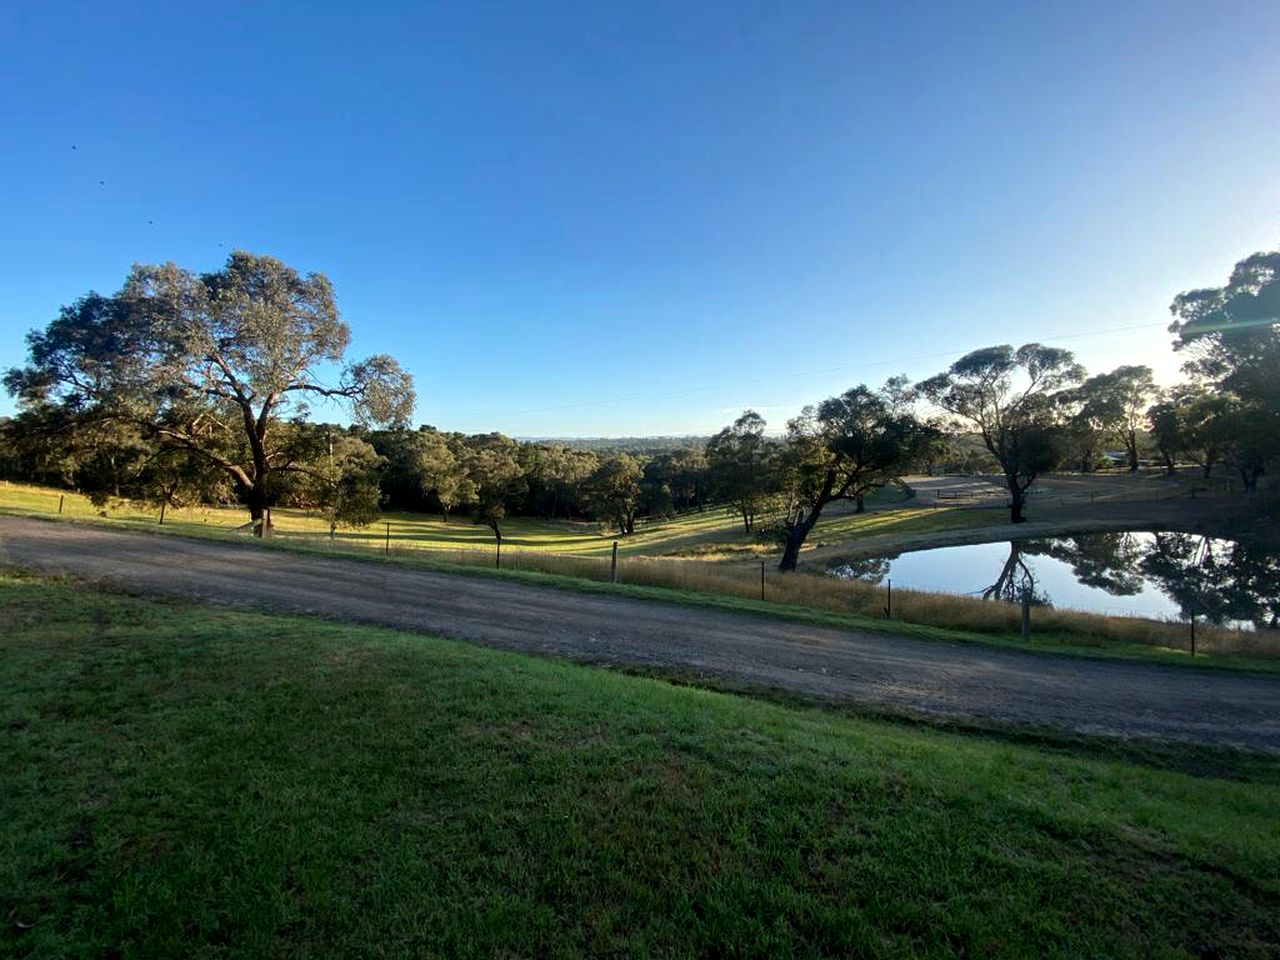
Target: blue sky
[619,219]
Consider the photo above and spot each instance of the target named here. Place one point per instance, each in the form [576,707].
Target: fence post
[1193,634]
[1026,614]
[613,564]
[386,547]
[61,497]
[888,598]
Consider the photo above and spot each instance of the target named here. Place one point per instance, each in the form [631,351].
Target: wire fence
[757,578]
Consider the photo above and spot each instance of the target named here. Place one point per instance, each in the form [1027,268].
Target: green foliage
[842,450]
[613,491]
[1168,430]
[1012,398]
[1232,334]
[742,467]
[1115,404]
[556,475]
[493,478]
[424,469]
[341,482]
[674,481]
[211,364]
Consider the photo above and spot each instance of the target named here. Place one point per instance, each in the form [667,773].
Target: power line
[689,391]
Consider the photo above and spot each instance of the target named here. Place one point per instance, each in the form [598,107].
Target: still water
[1160,575]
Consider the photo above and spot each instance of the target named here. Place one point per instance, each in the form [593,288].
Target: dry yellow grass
[579,552]
[741,579]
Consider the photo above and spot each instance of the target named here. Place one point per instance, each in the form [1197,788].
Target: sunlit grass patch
[182,780]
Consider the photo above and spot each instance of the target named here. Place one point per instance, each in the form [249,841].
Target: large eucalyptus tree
[1011,397]
[212,364]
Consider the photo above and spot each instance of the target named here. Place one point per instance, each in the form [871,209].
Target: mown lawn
[182,780]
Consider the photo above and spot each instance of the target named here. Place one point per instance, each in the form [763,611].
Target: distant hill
[647,445]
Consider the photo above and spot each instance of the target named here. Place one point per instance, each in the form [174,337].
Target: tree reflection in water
[1218,581]
[1016,580]
[1107,561]
[871,569]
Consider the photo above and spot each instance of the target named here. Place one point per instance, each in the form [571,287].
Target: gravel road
[945,679]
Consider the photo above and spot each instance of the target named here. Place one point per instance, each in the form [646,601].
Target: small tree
[842,450]
[1117,402]
[740,467]
[173,477]
[493,479]
[1008,396]
[341,484]
[1168,430]
[438,468]
[613,491]
[684,471]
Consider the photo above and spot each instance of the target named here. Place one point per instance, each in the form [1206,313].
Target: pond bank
[1217,517]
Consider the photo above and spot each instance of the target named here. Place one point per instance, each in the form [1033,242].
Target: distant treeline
[185,388]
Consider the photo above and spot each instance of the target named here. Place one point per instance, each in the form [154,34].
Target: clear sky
[620,219]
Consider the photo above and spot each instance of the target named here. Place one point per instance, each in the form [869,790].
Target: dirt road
[948,679]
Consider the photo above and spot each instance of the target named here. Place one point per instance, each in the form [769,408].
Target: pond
[1160,575]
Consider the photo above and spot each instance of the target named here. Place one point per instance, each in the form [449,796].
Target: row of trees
[189,388]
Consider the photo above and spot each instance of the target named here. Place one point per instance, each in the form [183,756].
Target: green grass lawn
[183,780]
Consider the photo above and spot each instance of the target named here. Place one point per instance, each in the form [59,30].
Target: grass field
[181,780]
[711,534]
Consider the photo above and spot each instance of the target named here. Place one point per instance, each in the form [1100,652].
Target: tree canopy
[1116,403]
[741,466]
[842,450]
[211,363]
[1232,337]
[1007,395]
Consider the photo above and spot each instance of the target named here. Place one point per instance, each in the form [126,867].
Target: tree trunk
[861,504]
[797,533]
[256,499]
[1131,441]
[1017,500]
[791,551]
[746,520]
[1249,474]
[163,504]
